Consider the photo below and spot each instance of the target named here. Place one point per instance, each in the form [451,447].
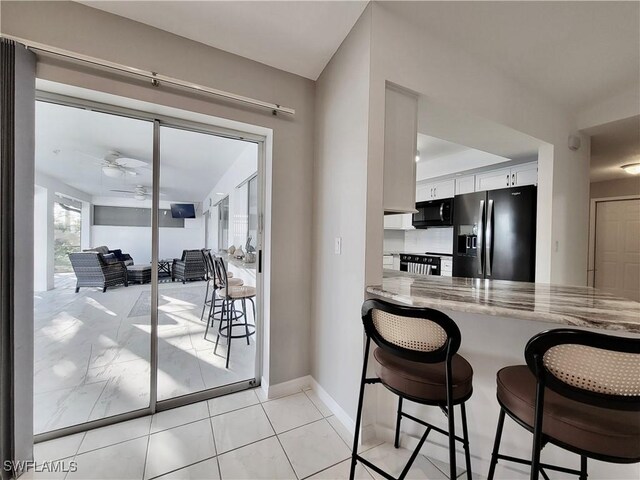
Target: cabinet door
[493,180]
[393,222]
[407,221]
[400,144]
[444,189]
[396,262]
[526,174]
[424,192]
[465,185]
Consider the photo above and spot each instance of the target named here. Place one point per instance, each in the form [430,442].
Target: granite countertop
[577,306]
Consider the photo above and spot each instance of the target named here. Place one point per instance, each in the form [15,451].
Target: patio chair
[92,269]
[190,267]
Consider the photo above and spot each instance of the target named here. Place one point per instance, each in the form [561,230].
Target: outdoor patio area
[92,349]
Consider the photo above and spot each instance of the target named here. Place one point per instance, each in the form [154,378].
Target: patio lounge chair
[190,267]
[93,269]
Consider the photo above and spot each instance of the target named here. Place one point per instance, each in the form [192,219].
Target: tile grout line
[215,446]
[279,442]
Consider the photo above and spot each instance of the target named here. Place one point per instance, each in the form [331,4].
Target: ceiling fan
[139,193]
[114,165]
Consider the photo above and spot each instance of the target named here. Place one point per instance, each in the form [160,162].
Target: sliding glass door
[197,170]
[127,312]
[92,240]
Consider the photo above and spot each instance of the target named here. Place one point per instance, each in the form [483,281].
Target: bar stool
[211,301]
[230,316]
[579,391]
[416,359]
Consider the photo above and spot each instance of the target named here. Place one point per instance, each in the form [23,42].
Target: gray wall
[99,34]
[619,187]
[340,189]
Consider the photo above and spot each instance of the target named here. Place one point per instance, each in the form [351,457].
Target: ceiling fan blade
[131,162]
[123,191]
[130,172]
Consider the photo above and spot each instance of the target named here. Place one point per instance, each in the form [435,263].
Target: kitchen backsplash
[436,240]
[394,240]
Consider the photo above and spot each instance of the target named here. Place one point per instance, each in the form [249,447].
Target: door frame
[591,260]
[161,120]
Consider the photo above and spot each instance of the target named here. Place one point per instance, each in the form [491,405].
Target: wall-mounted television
[183,210]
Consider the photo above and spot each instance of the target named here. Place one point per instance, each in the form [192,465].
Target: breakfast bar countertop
[568,305]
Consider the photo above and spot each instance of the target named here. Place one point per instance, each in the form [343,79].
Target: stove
[421,264]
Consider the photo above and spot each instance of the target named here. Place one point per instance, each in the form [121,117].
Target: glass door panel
[201,174]
[92,254]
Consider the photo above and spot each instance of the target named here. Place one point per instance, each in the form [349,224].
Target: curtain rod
[156,78]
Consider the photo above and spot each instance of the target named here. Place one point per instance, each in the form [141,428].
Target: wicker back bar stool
[230,317]
[210,298]
[579,391]
[416,358]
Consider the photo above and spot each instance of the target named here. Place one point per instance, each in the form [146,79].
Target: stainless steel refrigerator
[495,234]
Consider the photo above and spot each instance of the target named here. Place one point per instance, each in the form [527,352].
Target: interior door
[617,248]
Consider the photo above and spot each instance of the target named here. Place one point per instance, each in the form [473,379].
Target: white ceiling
[613,145]
[295,36]
[575,53]
[440,157]
[70,143]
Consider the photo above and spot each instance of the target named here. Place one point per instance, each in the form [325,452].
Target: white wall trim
[332,405]
[285,388]
[591,261]
[368,433]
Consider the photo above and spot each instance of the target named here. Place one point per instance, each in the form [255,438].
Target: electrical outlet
[337,245]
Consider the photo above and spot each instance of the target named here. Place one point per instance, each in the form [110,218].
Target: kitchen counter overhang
[567,305]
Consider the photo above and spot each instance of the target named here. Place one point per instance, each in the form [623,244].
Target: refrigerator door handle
[480,236]
[488,239]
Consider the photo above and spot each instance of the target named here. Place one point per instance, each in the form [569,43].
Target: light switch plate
[338,245]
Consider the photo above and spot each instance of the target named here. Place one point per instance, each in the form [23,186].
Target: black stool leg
[496,445]
[583,467]
[396,443]
[356,434]
[537,432]
[452,424]
[246,322]
[204,306]
[230,315]
[222,315]
[465,432]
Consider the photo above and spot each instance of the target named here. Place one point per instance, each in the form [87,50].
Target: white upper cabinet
[398,222]
[525,174]
[465,184]
[493,179]
[400,145]
[435,190]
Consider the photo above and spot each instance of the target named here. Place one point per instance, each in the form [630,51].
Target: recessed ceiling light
[632,168]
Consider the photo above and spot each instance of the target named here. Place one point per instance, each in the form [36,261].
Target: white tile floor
[230,437]
[92,351]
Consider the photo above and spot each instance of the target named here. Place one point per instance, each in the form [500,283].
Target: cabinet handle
[513,179]
[507,179]
[435,192]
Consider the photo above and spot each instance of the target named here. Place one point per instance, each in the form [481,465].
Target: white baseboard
[308,382]
[332,405]
[285,388]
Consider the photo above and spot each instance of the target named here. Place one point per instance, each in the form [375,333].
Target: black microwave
[434,213]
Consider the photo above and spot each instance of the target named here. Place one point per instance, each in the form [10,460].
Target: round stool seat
[238,292]
[613,433]
[424,381]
